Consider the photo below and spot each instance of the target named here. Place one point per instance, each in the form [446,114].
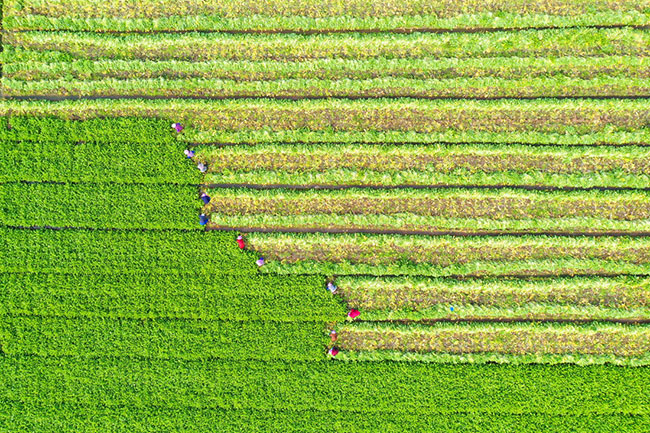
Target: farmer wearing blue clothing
[203,219]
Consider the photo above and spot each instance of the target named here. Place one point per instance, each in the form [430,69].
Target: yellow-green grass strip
[350,176]
[24,64]
[451,203]
[311,8]
[390,165]
[404,118]
[419,298]
[624,341]
[409,223]
[211,136]
[291,47]
[372,254]
[472,88]
[474,21]
[431,210]
[393,356]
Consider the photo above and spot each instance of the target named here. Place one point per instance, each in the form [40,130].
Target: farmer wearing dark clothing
[203,219]
[205,198]
[177,126]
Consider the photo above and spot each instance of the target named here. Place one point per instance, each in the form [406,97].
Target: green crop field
[444,210]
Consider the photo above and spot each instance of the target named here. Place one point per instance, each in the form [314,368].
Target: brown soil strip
[462,233]
[398,30]
[299,98]
[634,321]
[412,186]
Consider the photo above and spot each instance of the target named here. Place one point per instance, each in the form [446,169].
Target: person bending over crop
[240,242]
[205,198]
[203,219]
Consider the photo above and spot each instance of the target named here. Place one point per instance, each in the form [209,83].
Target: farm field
[444,210]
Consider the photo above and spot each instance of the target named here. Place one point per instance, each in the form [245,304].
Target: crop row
[409,222]
[187,296]
[121,252]
[381,117]
[331,24]
[624,341]
[162,338]
[48,128]
[443,256]
[316,88]
[426,165]
[311,8]
[26,65]
[360,388]
[100,205]
[452,203]
[21,64]
[418,298]
[108,162]
[38,418]
[292,47]
[562,136]
[431,210]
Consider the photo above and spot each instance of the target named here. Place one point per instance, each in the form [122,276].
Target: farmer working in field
[240,242]
[203,219]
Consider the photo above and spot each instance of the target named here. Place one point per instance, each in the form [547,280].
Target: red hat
[353,313]
[333,351]
[240,242]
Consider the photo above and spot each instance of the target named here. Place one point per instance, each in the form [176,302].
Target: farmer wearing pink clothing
[353,313]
